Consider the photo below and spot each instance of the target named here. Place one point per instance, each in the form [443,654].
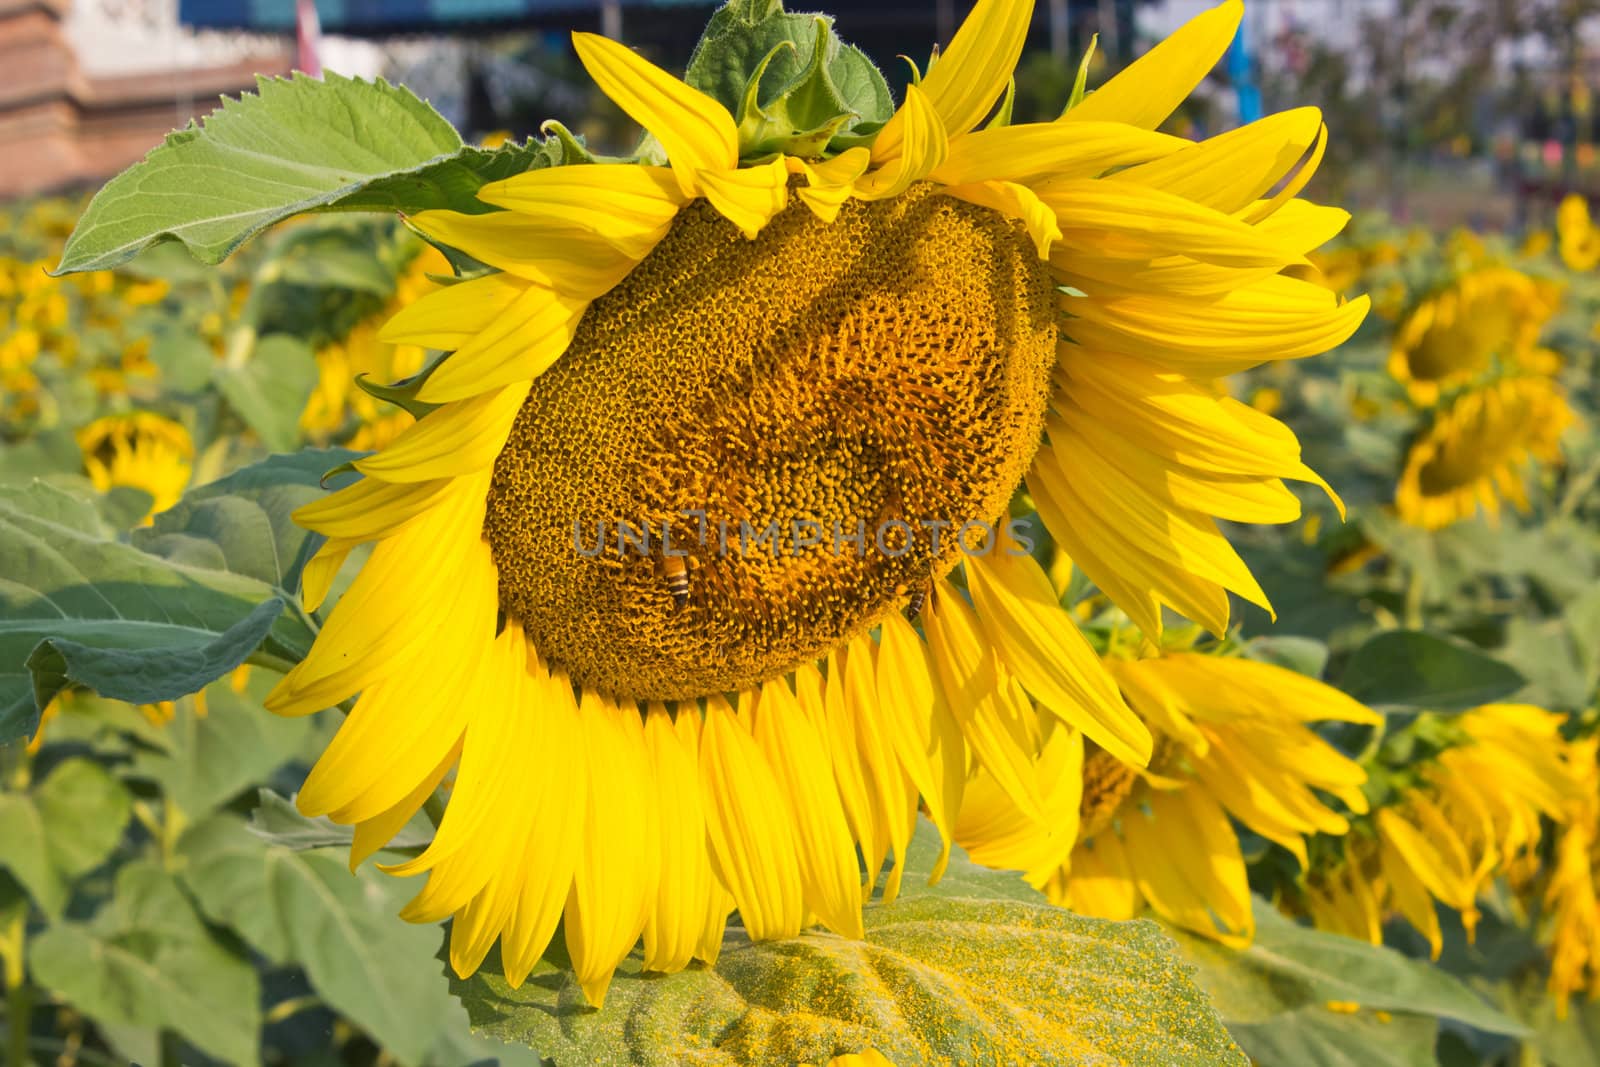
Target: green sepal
[1003,116]
[1080,84]
[791,84]
[402,394]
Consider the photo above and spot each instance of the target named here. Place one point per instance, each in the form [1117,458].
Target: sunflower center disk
[823,396]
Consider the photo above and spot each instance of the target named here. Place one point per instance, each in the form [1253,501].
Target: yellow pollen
[1107,782]
[821,381]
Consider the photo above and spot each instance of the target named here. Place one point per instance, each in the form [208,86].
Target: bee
[677,580]
[914,606]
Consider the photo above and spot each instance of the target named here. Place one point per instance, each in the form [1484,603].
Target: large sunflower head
[140,450]
[1475,452]
[711,503]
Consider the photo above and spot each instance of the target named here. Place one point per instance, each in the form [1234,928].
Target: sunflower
[1572,894]
[1453,337]
[141,450]
[1578,241]
[1475,451]
[1471,816]
[1233,738]
[712,430]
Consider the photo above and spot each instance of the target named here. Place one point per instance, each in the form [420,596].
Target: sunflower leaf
[147,960]
[1299,997]
[305,907]
[77,608]
[1417,670]
[63,828]
[938,979]
[295,145]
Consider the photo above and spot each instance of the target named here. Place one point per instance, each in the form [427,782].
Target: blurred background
[1445,111]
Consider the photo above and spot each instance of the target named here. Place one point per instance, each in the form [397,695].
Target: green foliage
[61,830]
[978,969]
[77,608]
[788,81]
[1419,670]
[295,145]
[147,960]
[271,390]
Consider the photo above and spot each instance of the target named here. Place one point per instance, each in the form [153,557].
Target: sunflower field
[855,581]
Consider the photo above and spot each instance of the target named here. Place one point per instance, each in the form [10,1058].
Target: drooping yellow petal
[630,206]
[829,875]
[452,316]
[1152,86]
[619,859]
[575,263]
[923,148]
[697,131]
[1019,202]
[316,579]
[892,790]
[748,197]
[978,697]
[1186,859]
[1039,643]
[748,826]
[1229,171]
[969,77]
[518,346]
[826,705]
[453,440]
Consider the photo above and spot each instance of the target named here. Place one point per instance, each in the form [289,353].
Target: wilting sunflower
[142,450]
[1470,817]
[1477,448]
[871,343]
[1232,739]
[1577,239]
[1454,336]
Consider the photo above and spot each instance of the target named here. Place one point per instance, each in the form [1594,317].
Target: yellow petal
[925,736]
[572,262]
[678,913]
[1040,152]
[451,316]
[748,826]
[369,509]
[892,790]
[923,147]
[748,197]
[697,132]
[518,346]
[619,860]
[1019,202]
[979,698]
[453,440]
[628,205]
[1152,86]
[1039,643]
[1229,171]
[969,77]
[829,875]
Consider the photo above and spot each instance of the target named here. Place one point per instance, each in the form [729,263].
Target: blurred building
[91,86]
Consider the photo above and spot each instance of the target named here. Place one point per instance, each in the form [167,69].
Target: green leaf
[209,759]
[78,609]
[938,979]
[277,821]
[147,960]
[305,907]
[244,522]
[1303,655]
[295,145]
[1412,669]
[1274,997]
[270,390]
[64,828]
[185,360]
